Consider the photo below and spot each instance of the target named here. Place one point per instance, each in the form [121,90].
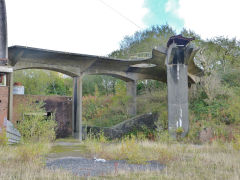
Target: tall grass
[26,162]
[183,161]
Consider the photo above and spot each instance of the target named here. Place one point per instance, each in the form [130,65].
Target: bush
[106,111]
[33,125]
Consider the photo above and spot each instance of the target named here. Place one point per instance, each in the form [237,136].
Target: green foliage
[143,41]
[43,82]
[155,102]
[236,142]
[106,110]
[179,131]
[3,137]
[59,85]
[33,124]
[232,113]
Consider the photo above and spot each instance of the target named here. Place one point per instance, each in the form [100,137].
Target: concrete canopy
[81,64]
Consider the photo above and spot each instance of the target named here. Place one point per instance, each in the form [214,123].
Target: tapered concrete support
[132,93]
[3,34]
[177,82]
[10,100]
[77,108]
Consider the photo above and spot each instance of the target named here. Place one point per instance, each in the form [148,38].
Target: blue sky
[158,14]
[208,18]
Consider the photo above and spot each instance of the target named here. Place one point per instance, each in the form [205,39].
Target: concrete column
[3,34]
[10,100]
[74,104]
[77,108]
[177,82]
[132,93]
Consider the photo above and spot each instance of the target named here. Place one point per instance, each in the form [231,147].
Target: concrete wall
[61,106]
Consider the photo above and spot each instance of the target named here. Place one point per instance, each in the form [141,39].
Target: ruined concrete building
[172,64]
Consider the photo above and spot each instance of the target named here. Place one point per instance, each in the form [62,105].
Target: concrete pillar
[10,100]
[132,93]
[74,105]
[177,82]
[77,108]
[3,34]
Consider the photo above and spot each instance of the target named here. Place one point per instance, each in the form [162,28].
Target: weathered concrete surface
[138,123]
[132,94]
[78,108]
[177,99]
[177,60]
[3,34]
[80,64]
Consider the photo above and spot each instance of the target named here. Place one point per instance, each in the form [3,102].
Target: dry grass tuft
[26,162]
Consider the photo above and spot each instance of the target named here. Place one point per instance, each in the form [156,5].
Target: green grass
[68,139]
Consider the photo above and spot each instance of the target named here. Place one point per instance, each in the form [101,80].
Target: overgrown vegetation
[214,104]
[27,162]
[33,124]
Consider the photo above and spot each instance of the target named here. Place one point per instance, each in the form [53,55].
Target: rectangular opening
[2,79]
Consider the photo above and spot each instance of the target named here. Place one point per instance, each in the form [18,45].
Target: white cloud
[211,18]
[171,6]
[82,26]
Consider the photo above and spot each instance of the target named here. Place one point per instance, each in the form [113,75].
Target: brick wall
[3,104]
[61,106]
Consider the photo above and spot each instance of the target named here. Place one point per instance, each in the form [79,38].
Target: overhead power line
[120,14]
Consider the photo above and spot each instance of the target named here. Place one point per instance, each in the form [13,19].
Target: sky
[97,26]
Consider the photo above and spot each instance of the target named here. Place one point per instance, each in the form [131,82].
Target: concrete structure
[77,108]
[177,79]
[78,65]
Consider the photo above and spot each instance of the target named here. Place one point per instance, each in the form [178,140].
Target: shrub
[33,125]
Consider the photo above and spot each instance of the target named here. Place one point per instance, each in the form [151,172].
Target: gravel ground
[89,167]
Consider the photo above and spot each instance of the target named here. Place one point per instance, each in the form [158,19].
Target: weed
[236,142]
[3,137]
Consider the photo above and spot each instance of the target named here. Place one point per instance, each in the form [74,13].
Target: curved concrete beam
[73,73]
[76,64]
